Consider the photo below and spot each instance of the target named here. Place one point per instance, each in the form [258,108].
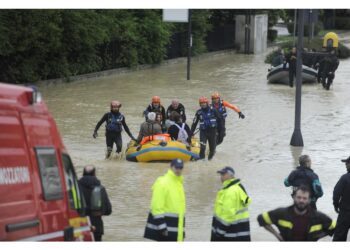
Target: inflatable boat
[280,74]
[160,149]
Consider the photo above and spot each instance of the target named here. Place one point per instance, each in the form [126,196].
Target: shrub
[271,35]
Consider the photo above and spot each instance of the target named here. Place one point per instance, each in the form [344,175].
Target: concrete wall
[258,33]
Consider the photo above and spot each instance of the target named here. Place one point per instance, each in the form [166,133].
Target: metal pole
[310,29]
[297,138]
[295,26]
[189,44]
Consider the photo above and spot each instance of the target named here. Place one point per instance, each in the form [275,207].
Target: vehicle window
[74,194]
[49,173]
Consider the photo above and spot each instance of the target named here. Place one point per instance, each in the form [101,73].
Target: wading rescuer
[231,216]
[115,121]
[341,202]
[210,124]
[166,220]
[221,105]
[298,222]
[304,175]
[157,108]
[291,59]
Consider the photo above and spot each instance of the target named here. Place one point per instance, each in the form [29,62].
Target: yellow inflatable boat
[160,150]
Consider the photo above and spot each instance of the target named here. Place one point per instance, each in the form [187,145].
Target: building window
[49,173]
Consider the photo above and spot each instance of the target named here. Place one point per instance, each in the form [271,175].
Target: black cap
[346,160]
[177,163]
[225,170]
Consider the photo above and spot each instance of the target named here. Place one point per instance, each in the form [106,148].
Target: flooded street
[256,147]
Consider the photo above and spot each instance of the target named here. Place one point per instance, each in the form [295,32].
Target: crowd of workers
[211,118]
[300,221]
[325,63]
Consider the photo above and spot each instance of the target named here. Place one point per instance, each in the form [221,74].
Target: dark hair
[175,116]
[302,188]
[89,170]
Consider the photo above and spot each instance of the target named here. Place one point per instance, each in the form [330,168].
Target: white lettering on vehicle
[14,175]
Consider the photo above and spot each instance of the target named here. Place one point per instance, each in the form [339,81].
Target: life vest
[221,109]
[182,135]
[207,119]
[160,137]
[114,122]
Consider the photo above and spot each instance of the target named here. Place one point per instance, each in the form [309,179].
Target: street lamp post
[189,44]
[297,138]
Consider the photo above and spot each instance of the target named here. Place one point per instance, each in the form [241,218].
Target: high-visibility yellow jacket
[231,216]
[168,207]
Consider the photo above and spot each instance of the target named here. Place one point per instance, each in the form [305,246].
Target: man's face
[175,104]
[301,200]
[225,177]
[215,100]
[294,50]
[347,164]
[156,104]
[115,108]
[177,171]
[203,105]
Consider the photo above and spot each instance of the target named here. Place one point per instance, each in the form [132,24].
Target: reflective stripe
[232,223]
[285,223]
[234,235]
[242,211]
[156,227]
[219,231]
[55,235]
[172,229]
[332,226]
[315,228]
[267,218]
[173,215]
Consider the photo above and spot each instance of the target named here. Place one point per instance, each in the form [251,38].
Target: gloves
[95,134]
[336,209]
[240,115]
[133,138]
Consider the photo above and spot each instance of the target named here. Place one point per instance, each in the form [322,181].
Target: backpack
[96,200]
[182,135]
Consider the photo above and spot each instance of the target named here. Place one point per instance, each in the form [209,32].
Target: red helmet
[215,95]
[116,104]
[155,99]
[203,99]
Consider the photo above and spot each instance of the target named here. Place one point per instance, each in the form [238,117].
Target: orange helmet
[155,99]
[116,104]
[203,99]
[215,95]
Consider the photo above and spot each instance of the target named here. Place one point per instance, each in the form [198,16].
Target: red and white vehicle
[39,195]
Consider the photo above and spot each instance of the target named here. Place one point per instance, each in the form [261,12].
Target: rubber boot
[108,153]
[211,155]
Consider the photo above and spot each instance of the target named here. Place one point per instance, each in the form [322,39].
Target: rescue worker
[279,58]
[149,127]
[166,220]
[221,105]
[231,216]
[291,59]
[341,202]
[328,65]
[179,131]
[304,175]
[298,222]
[115,121]
[87,184]
[210,123]
[178,107]
[156,107]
